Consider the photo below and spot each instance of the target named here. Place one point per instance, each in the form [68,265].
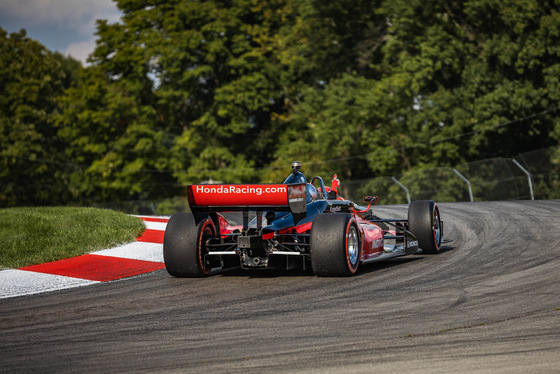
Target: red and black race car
[295,225]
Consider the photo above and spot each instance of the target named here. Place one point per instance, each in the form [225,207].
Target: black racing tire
[184,245]
[335,245]
[425,223]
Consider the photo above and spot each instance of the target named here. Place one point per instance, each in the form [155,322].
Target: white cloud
[80,50]
[78,15]
[67,26]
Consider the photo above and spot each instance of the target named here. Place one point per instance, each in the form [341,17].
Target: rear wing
[207,198]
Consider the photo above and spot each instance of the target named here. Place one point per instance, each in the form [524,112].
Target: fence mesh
[490,180]
[544,166]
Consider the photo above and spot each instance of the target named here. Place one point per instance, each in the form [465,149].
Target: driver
[298,177]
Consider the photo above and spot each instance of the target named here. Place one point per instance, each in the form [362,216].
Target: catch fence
[531,175]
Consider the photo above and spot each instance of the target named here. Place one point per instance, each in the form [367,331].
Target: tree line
[186,91]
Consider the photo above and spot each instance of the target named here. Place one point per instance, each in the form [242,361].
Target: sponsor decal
[412,243]
[297,199]
[377,243]
[238,195]
[238,189]
[297,193]
[336,209]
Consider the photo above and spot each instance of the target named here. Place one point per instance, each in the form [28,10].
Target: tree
[32,170]
[216,86]
[456,81]
[117,152]
[479,76]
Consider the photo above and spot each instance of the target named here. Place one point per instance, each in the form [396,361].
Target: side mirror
[371,199]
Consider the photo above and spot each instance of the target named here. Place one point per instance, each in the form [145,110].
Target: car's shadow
[364,269]
[263,273]
[387,264]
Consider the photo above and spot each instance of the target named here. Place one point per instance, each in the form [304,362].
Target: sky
[66,26]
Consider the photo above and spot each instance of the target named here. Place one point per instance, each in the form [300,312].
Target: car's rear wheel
[184,245]
[425,223]
[335,245]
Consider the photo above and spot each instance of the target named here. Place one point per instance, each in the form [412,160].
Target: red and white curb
[142,256]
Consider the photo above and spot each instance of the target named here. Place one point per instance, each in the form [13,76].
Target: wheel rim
[352,247]
[437,228]
[204,235]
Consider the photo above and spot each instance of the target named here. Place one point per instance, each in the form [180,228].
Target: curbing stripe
[152,236]
[143,256]
[96,268]
[136,251]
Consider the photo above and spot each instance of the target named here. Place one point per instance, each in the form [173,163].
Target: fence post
[466,181]
[403,187]
[528,177]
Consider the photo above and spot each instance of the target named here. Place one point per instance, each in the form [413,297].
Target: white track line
[15,282]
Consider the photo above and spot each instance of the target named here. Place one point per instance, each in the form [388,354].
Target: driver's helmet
[296,176]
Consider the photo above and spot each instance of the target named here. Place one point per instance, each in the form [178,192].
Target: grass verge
[31,236]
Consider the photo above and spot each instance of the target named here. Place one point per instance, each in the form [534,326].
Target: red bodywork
[371,235]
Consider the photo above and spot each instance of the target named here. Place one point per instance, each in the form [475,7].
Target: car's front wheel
[425,223]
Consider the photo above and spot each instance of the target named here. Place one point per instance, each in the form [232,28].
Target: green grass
[31,236]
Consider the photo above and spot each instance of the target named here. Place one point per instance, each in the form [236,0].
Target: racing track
[489,303]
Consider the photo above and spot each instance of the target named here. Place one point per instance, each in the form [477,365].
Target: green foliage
[185,91]
[117,151]
[32,168]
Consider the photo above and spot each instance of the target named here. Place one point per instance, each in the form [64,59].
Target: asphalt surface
[490,302]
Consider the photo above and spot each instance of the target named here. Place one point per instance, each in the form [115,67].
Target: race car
[295,225]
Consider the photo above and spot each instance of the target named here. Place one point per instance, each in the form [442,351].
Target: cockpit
[312,193]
